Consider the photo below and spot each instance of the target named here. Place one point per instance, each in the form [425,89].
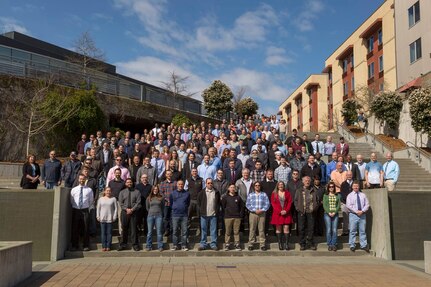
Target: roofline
[381,5]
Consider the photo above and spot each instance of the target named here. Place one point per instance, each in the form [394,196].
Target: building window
[352,61]
[414,14]
[370,44]
[370,70]
[309,93]
[330,77]
[380,37]
[353,84]
[381,63]
[345,89]
[415,50]
[345,63]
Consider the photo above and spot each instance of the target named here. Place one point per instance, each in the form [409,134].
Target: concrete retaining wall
[26,215]
[15,262]
[10,170]
[378,223]
[427,256]
[410,215]
[61,223]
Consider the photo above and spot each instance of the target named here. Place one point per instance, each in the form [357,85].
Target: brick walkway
[250,271]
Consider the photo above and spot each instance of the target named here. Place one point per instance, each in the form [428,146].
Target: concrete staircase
[412,176]
[272,245]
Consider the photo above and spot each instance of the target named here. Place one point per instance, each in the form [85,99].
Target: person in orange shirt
[338,176]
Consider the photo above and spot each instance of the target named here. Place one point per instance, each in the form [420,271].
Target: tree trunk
[29,133]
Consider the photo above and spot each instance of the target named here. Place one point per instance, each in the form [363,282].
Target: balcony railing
[69,74]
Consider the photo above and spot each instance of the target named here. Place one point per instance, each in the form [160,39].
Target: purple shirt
[351,202]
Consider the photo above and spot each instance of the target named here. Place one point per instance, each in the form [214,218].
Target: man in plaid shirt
[282,173]
[257,203]
[258,174]
[166,188]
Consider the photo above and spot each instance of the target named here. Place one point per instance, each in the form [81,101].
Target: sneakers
[214,248]
[352,248]
[250,247]
[201,248]
[226,247]
[237,247]
[185,248]
[263,248]
[174,248]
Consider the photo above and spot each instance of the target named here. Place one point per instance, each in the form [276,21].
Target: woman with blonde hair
[106,214]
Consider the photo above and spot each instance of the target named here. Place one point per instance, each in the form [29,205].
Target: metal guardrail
[418,150]
[30,65]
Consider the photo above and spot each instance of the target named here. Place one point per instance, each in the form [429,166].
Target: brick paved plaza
[216,271]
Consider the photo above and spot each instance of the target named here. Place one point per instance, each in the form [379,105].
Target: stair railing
[416,148]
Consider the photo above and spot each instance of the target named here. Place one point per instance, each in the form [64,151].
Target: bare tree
[177,86]
[90,56]
[34,110]
[237,97]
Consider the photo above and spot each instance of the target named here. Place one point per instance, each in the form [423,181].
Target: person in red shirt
[281,202]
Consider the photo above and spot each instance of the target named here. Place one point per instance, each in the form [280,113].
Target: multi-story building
[413,34]
[364,61]
[301,109]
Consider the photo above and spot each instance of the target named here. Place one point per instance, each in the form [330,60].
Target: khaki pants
[257,221]
[390,185]
[232,223]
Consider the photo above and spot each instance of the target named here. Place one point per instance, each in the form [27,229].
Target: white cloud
[165,36]
[248,29]
[9,24]
[277,56]
[154,71]
[259,84]
[304,21]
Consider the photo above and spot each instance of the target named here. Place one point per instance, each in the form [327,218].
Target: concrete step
[322,250]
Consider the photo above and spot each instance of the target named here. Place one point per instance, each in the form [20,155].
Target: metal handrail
[107,83]
[373,136]
[415,147]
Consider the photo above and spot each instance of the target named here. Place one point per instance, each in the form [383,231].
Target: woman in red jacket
[281,202]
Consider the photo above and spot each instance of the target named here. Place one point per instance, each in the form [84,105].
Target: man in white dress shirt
[81,199]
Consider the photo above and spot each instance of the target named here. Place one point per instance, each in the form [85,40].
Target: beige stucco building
[302,109]
[364,61]
[413,42]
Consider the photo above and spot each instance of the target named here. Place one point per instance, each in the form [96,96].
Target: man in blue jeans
[357,204]
[180,201]
[209,207]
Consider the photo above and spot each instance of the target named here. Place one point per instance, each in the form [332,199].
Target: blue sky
[269,47]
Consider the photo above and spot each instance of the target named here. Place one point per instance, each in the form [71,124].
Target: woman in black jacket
[30,173]
[233,208]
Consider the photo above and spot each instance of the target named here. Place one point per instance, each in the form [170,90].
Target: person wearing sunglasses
[331,205]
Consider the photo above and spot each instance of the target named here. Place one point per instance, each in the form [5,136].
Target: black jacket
[315,172]
[202,202]
[345,189]
[233,206]
[194,187]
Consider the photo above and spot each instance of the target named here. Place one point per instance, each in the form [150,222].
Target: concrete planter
[15,262]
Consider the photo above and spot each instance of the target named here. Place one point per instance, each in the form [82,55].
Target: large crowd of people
[250,175]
